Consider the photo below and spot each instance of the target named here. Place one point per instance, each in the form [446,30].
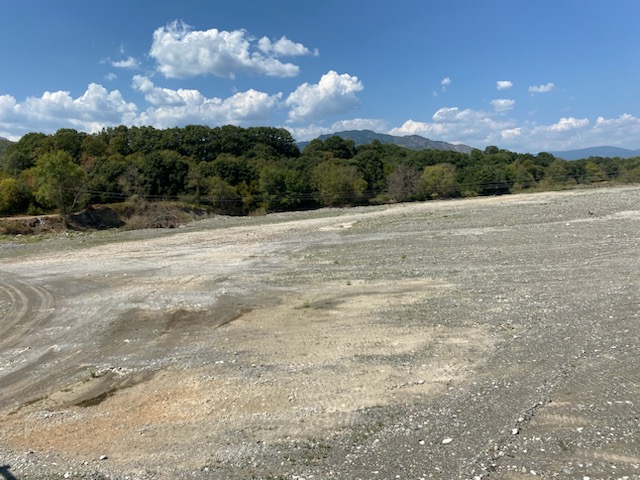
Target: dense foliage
[4,143]
[238,171]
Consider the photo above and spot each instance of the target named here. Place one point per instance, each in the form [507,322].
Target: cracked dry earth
[483,338]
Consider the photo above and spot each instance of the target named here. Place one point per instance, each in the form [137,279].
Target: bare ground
[481,338]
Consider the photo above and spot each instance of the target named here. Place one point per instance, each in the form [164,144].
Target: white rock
[447,440]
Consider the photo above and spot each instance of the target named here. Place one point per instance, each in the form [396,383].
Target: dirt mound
[97,217]
[129,215]
[32,225]
[142,214]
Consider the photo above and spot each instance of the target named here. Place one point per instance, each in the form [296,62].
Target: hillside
[603,151]
[4,143]
[412,142]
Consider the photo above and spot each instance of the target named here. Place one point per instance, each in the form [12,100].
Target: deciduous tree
[60,182]
[439,181]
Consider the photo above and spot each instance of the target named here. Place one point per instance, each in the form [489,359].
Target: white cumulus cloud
[283,47]
[185,106]
[94,109]
[566,124]
[476,128]
[620,131]
[129,62]
[333,94]
[165,96]
[542,88]
[511,133]
[182,52]
[374,124]
[502,105]
[425,129]
[504,84]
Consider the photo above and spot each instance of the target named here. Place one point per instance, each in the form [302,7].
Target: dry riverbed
[478,338]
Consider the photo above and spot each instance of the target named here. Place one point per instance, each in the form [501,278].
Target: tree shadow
[6,474]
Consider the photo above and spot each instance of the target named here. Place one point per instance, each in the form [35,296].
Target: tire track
[18,308]
[29,307]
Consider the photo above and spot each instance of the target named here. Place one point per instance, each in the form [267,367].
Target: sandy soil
[480,338]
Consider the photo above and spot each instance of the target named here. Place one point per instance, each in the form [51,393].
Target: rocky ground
[479,338]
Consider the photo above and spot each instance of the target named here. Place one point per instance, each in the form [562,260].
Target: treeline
[238,171]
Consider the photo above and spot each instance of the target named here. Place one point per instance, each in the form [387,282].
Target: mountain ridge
[412,142]
[601,151]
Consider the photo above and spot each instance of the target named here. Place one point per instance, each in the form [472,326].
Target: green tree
[232,169]
[224,197]
[118,140]
[556,173]
[93,145]
[131,181]
[60,182]
[164,172]
[523,173]
[630,170]
[280,188]
[105,178]
[339,147]
[545,159]
[68,140]
[144,139]
[337,184]
[22,155]
[196,141]
[486,179]
[370,164]
[279,139]
[15,195]
[439,181]
[592,173]
[196,181]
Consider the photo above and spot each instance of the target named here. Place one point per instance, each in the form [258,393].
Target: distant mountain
[412,142]
[596,152]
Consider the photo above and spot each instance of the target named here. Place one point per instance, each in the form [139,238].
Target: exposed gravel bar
[489,338]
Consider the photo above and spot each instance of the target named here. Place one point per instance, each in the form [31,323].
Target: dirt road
[480,338]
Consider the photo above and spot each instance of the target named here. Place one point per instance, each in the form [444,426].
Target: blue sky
[524,75]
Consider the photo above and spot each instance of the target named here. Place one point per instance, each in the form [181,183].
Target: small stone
[421,442]
[514,431]
[103,457]
[447,440]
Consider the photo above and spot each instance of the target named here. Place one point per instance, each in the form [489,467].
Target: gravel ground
[479,338]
